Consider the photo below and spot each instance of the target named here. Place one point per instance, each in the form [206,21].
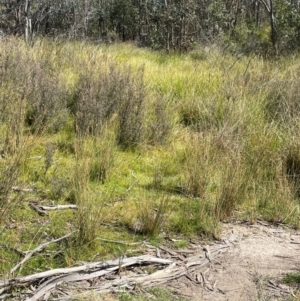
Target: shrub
[131,109]
[109,90]
[97,97]
[47,101]
[29,89]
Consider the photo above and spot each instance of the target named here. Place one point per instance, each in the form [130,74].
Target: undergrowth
[144,144]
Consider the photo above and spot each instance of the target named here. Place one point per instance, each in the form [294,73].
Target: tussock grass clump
[160,123]
[194,216]
[103,157]
[204,114]
[151,215]
[197,172]
[89,203]
[13,120]
[14,78]
[9,172]
[94,162]
[282,103]
[232,190]
[291,166]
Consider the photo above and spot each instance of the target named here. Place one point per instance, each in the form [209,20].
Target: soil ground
[251,269]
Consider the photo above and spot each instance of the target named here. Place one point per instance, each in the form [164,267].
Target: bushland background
[157,119]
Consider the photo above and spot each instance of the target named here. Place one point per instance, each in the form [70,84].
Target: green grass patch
[293,278]
[157,293]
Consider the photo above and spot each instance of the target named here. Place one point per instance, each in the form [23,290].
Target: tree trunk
[269,8]
[273,29]
[27,21]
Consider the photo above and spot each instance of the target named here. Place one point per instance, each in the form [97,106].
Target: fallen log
[105,276]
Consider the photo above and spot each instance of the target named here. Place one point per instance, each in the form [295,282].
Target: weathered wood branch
[42,210]
[38,210]
[122,242]
[80,276]
[22,189]
[36,250]
[42,284]
[58,207]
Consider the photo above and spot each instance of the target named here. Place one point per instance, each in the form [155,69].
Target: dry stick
[58,207]
[122,242]
[17,188]
[171,252]
[38,210]
[36,250]
[297,206]
[129,188]
[133,183]
[5,296]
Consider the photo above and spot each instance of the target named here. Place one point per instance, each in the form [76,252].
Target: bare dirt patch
[251,269]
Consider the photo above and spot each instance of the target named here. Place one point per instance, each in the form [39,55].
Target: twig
[129,188]
[232,65]
[36,250]
[172,253]
[58,207]
[291,213]
[263,223]
[295,242]
[38,210]
[134,182]
[17,188]
[122,242]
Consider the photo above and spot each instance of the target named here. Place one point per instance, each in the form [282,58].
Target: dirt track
[251,269]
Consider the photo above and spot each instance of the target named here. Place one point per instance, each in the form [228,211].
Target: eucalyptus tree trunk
[28,26]
[257,9]
[269,8]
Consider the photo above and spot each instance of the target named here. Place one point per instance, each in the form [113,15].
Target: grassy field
[146,145]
